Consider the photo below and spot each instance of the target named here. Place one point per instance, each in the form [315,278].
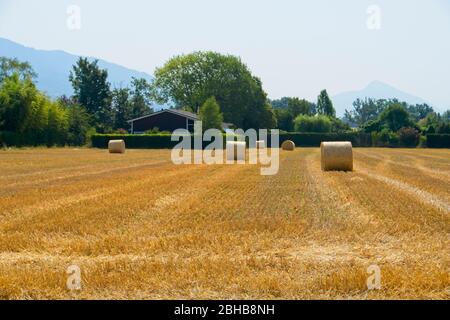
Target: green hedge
[159,141]
[314,139]
[28,139]
[135,141]
[438,141]
[9,139]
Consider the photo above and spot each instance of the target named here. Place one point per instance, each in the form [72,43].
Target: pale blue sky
[296,47]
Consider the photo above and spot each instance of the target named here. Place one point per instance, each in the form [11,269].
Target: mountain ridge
[375,90]
[53,67]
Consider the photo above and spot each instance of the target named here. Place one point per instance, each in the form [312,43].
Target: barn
[167,120]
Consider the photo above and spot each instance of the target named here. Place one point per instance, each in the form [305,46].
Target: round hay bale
[236,150]
[288,145]
[116,146]
[260,144]
[336,156]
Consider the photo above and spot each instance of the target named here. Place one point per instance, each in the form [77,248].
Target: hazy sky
[296,47]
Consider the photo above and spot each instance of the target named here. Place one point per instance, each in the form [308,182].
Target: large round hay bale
[116,146]
[260,144]
[336,156]
[236,150]
[288,145]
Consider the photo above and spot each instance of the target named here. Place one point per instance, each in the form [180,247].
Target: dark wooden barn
[166,120]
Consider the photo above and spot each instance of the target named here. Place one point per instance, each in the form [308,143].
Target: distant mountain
[376,90]
[53,68]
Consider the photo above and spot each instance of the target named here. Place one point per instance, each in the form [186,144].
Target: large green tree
[92,91]
[324,105]
[210,114]
[189,80]
[395,117]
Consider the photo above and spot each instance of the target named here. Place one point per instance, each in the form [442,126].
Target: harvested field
[140,227]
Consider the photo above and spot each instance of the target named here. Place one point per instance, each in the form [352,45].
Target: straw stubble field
[140,227]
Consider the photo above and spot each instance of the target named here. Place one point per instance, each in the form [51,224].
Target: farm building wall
[164,121]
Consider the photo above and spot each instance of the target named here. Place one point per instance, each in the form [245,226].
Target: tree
[280,103]
[419,111]
[364,111]
[121,107]
[78,126]
[320,123]
[284,119]
[92,91]
[8,67]
[324,105]
[395,117]
[210,114]
[57,124]
[140,98]
[409,137]
[337,125]
[16,103]
[446,116]
[189,80]
[297,107]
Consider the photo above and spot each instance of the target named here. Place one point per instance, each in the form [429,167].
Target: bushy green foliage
[364,111]
[9,67]
[16,103]
[92,91]
[409,137]
[285,120]
[385,138]
[121,107]
[189,80]
[28,117]
[435,123]
[304,123]
[395,117]
[210,115]
[287,109]
[325,105]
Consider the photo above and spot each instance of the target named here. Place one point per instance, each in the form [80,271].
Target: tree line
[392,123]
[29,117]
[219,88]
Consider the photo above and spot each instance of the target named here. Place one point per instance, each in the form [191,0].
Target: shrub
[409,137]
[121,131]
[385,138]
[154,130]
[337,125]
[304,123]
[210,114]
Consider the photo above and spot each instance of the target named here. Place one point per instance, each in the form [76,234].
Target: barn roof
[185,114]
